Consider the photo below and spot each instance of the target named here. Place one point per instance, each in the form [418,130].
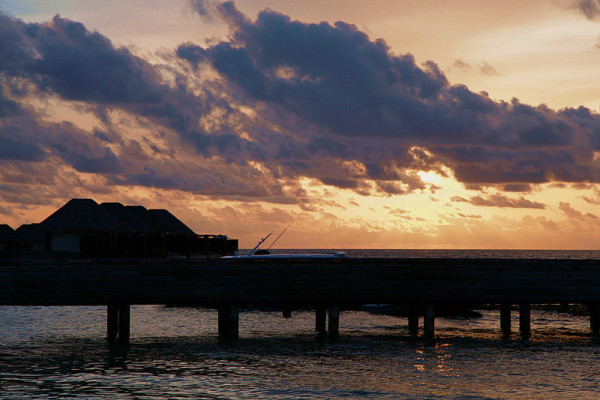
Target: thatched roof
[164,221]
[80,215]
[7,233]
[30,232]
[85,215]
[135,223]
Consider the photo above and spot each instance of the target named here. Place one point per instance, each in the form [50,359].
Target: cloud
[488,69]
[62,59]
[499,200]
[517,187]
[279,100]
[8,107]
[458,199]
[353,87]
[66,58]
[574,214]
[15,149]
[485,68]
[204,8]
[589,8]
[461,64]
[569,211]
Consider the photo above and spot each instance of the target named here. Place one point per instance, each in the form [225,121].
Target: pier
[324,285]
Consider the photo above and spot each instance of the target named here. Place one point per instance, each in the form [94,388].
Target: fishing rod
[259,243]
[286,228]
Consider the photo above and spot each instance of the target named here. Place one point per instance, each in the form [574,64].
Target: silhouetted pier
[325,285]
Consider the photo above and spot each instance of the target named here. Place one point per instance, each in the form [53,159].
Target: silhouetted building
[85,228]
[8,238]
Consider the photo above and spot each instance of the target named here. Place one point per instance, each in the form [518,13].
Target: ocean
[175,353]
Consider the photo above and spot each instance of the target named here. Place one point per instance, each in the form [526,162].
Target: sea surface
[175,353]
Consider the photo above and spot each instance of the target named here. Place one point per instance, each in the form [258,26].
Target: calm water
[60,352]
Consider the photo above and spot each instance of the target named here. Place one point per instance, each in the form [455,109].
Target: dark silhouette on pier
[327,286]
[85,228]
[114,255]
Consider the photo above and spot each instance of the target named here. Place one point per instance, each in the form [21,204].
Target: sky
[383,124]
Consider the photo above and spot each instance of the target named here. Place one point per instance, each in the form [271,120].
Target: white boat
[257,253]
[334,254]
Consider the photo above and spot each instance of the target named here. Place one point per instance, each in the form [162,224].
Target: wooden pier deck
[326,285]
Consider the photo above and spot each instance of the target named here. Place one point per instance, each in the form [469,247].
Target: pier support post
[525,320]
[429,321]
[117,322]
[287,311]
[124,322]
[229,322]
[594,309]
[112,321]
[321,320]
[413,319]
[334,321]
[505,318]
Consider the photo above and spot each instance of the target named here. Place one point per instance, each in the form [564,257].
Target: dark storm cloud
[325,102]
[192,53]
[354,87]
[24,138]
[8,107]
[64,57]
[336,77]
[492,166]
[17,132]
[15,149]
[105,163]
[517,187]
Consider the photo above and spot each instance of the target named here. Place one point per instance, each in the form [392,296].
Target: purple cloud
[353,87]
[589,8]
[499,200]
[326,102]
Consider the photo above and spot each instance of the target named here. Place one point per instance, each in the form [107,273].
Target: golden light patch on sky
[430,177]
[535,62]
[419,219]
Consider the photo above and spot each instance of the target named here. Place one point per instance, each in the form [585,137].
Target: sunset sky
[382,124]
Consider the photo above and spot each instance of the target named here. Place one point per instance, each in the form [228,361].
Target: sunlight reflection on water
[175,353]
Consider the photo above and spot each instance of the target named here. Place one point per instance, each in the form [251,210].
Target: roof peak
[87,215]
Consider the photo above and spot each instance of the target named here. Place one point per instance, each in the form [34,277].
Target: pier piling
[287,311]
[112,321]
[594,310]
[321,320]
[334,320]
[505,318]
[124,322]
[413,319]
[525,320]
[118,322]
[429,321]
[228,321]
